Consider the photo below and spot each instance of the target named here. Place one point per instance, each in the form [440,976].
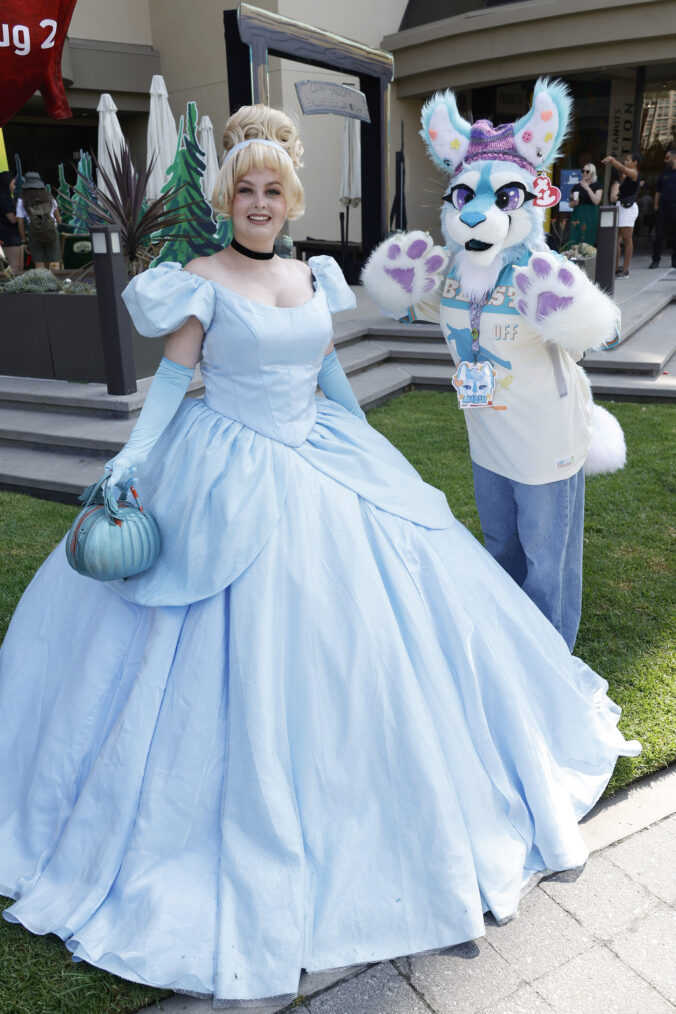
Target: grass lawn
[627,632]
[628,627]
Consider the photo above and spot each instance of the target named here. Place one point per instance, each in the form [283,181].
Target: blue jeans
[535,534]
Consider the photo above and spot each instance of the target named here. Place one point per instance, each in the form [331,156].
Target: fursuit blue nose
[473,217]
[475,211]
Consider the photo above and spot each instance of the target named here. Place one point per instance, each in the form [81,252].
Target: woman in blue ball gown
[326,727]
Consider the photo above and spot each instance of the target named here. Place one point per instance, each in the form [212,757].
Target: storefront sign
[621,116]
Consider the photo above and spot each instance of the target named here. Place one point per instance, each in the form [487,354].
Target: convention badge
[546,194]
[474,384]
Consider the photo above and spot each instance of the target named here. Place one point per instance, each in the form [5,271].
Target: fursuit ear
[444,131]
[538,134]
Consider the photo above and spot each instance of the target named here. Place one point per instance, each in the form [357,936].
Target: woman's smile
[258,208]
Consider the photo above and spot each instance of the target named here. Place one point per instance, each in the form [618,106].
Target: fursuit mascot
[516,318]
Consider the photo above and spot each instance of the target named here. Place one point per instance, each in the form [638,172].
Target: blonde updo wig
[249,123]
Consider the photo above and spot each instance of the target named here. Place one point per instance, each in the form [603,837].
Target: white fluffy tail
[608,451]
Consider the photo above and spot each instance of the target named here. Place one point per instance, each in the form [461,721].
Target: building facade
[618,57]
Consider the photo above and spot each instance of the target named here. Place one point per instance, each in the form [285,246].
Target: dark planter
[24,342]
[75,338]
[58,337]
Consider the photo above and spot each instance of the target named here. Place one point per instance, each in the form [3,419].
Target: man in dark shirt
[665,209]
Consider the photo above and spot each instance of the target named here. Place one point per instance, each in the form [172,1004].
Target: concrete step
[56,430]
[60,475]
[640,308]
[82,399]
[636,387]
[647,351]
[392,329]
[425,351]
[376,385]
[430,374]
[360,355]
[345,332]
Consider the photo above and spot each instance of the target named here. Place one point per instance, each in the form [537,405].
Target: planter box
[588,265]
[58,337]
[24,342]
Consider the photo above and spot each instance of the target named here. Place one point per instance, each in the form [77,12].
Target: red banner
[32,34]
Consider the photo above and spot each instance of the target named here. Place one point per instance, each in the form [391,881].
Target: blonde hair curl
[248,124]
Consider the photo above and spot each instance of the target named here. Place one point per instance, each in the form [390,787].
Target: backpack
[42,226]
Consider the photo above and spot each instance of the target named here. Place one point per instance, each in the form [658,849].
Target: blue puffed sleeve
[161,299]
[331,280]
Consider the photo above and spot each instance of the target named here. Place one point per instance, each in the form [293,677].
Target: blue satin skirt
[364,741]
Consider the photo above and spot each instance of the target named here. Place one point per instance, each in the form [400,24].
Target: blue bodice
[217,479]
[259,362]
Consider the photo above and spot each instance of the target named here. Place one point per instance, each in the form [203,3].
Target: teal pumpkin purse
[112,539]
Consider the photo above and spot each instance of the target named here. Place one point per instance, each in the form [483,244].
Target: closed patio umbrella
[350,180]
[110,138]
[205,138]
[162,137]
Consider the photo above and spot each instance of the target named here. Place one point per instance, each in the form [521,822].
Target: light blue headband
[254,140]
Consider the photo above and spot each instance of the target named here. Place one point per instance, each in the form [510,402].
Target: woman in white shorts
[624,192]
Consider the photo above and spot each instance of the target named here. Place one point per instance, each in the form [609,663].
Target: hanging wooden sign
[329,97]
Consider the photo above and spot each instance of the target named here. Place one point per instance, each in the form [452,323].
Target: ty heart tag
[546,194]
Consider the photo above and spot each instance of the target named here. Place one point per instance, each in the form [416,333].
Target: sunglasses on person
[586,172]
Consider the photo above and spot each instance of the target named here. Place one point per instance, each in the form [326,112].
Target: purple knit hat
[493,143]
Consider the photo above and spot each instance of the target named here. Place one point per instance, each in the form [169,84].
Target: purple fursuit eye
[459,196]
[510,197]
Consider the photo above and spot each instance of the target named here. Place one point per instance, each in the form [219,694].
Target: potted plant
[51,326]
[584,255]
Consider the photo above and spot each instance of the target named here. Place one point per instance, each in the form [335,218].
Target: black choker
[254,254]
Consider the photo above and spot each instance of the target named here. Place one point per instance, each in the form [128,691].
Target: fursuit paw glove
[558,300]
[336,386]
[165,395]
[404,270]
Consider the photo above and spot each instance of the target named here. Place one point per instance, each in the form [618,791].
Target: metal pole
[606,248]
[110,272]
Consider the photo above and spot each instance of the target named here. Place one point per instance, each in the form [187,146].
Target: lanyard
[475,309]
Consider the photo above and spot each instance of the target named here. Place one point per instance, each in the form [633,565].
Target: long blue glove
[166,393]
[336,386]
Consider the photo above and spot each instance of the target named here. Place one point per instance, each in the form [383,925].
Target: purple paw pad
[429,284]
[402,276]
[566,276]
[434,263]
[394,252]
[522,307]
[540,266]
[548,302]
[523,282]
[417,248]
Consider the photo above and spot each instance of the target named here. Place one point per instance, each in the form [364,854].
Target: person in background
[665,209]
[584,200]
[10,237]
[38,209]
[624,192]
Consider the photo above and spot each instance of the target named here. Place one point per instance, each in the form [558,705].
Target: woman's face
[258,208]
[630,162]
[12,184]
[586,174]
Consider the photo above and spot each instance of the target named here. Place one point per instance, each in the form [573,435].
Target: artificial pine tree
[63,199]
[82,195]
[200,233]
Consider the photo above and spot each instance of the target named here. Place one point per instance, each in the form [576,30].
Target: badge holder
[474,382]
